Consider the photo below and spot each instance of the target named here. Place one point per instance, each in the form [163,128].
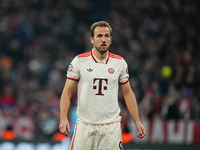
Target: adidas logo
[89,70]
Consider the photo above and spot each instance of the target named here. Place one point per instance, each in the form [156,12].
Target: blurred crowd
[160,40]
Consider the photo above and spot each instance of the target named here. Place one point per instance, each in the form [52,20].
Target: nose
[103,39]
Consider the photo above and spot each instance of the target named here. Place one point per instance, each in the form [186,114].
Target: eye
[99,35]
[107,35]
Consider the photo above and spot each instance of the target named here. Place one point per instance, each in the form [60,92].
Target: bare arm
[132,107]
[64,105]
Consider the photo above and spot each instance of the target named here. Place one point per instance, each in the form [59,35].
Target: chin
[102,50]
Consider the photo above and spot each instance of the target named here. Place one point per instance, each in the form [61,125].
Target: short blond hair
[99,24]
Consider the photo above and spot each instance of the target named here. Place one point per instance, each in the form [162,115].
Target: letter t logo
[100,87]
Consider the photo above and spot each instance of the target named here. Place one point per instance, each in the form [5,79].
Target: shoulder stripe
[115,56]
[86,54]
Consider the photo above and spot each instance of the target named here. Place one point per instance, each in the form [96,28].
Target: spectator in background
[8,97]
[8,134]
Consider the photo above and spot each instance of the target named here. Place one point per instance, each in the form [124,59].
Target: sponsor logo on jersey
[111,70]
[70,68]
[101,85]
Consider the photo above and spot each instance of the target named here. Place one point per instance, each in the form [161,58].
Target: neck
[101,55]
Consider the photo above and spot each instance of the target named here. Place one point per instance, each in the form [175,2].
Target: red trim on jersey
[93,57]
[96,60]
[125,82]
[72,145]
[72,79]
[86,54]
[115,56]
[108,57]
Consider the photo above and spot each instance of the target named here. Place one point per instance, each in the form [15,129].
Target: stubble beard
[100,50]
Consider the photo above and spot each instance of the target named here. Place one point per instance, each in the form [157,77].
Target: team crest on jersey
[111,70]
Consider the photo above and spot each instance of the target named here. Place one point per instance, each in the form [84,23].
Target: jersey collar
[105,61]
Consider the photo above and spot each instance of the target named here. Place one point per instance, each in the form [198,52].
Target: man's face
[102,39]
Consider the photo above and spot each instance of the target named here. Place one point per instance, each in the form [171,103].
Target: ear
[110,40]
[92,40]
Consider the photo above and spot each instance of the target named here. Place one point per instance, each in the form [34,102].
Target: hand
[141,129]
[64,127]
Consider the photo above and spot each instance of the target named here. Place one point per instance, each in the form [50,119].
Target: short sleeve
[73,70]
[124,76]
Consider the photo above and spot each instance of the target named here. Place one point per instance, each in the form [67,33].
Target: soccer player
[98,75]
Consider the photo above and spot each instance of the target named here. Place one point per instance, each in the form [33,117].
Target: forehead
[101,30]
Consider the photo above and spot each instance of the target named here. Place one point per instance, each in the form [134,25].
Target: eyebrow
[102,34]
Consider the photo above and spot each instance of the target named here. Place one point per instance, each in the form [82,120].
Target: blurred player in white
[98,75]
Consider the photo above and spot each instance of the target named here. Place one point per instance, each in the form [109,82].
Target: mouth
[103,45]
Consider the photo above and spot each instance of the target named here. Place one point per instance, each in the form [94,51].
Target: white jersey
[98,84]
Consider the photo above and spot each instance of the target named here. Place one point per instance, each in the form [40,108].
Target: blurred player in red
[98,75]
